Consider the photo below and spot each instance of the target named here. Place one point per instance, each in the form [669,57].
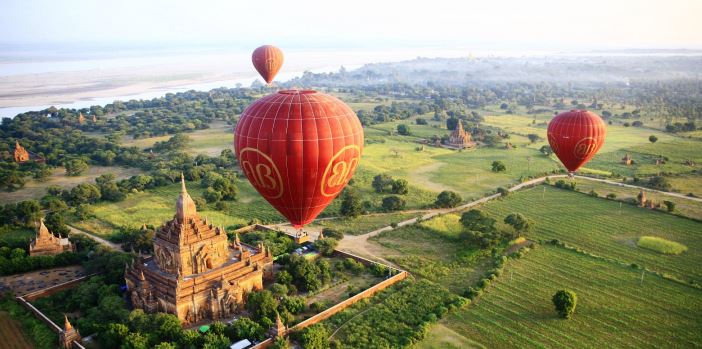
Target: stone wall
[401,275]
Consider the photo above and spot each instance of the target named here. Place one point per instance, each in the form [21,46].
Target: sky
[488,24]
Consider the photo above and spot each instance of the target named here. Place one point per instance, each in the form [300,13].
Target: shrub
[661,245]
[447,199]
[498,166]
[565,302]
[393,203]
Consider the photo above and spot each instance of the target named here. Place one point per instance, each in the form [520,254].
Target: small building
[460,138]
[21,155]
[81,118]
[627,160]
[68,335]
[46,244]
[278,329]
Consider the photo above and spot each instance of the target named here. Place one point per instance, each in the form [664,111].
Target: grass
[35,190]
[155,206]
[209,141]
[442,337]
[601,227]
[16,237]
[685,207]
[661,245]
[614,306]
[431,254]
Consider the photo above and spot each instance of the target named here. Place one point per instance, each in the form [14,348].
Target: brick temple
[459,138]
[195,273]
[20,154]
[47,244]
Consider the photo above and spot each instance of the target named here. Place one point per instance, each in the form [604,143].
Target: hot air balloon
[267,60]
[299,149]
[576,136]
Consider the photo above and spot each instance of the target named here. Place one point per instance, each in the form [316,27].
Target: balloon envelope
[267,60]
[298,149]
[576,136]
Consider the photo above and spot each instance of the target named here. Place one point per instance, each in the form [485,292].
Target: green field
[614,307]
[685,207]
[155,206]
[600,227]
[209,141]
[35,190]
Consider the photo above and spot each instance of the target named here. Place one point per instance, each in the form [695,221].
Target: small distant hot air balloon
[267,60]
[576,136]
[299,149]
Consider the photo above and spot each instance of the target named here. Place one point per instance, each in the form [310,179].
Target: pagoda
[69,334]
[627,160]
[46,244]
[81,118]
[195,273]
[460,138]
[21,154]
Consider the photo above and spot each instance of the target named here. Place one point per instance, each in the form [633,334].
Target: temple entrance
[208,262]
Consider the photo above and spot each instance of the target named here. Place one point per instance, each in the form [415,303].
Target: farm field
[209,141]
[11,333]
[600,227]
[688,208]
[614,307]
[35,190]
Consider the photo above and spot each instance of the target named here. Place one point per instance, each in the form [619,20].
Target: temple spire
[43,230]
[66,324]
[185,206]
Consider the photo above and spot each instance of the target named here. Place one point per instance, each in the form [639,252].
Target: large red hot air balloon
[267,60]
[299,149]
[576,136]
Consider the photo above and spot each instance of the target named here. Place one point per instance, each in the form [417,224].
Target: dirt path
[11,335]
[107,243]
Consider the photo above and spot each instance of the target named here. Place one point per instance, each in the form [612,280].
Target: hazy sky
[487,24]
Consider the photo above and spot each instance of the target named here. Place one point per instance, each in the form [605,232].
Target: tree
[135,340]
[660,183]
[451,123]
[75,167]
[670,206]
[546,150]
[403,130]
[565,302]
[326,246]
[54,221]
[350,204]
[114,336]
[400,186]
[280,343]
[314,337]
[393,203]
[533,137]
[498,166]
[520,223]
[84,211]
[476,220]
[381,183]
[212,195]
[245,328]
[447,199]
[165,345]
[42,173]
[504,106]
[652,139]
[294,305]
[262,304]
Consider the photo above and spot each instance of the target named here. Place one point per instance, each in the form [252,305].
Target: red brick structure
[68,335]
[460,138]
[46,244]
[194,273]
[21,155]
